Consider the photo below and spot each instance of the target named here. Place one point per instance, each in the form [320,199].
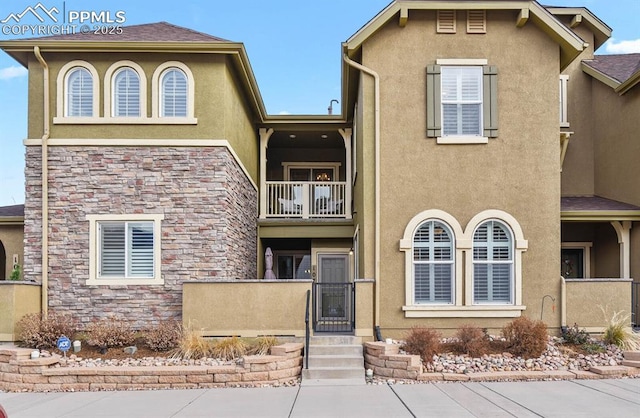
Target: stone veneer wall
[209,230]
[18,373]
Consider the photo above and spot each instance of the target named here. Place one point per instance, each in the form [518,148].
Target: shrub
[526,338]
[164,336]
[15,273]
[472,340]
[262,345]
[575,335]
[424,342]
[110,332]
[36,331]
[230,348]
[619,333]
[191,346]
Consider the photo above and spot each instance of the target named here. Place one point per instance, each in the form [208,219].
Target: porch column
[624,239]
[265,134]
[346,137]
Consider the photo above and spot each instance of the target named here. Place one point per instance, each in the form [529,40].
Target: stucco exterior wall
[11,237]
[209,226]
[517,172]
[16,300]
[586,300]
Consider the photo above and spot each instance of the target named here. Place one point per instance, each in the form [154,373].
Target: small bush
[526,338]
[110,332]
[35,331]
[164,336]
[191,345]
[575,335]
[262,345]
[230,348]
[472,340]
[619,333]
[424,342]
[15,273]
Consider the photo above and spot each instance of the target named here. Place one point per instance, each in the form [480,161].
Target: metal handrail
[306,334]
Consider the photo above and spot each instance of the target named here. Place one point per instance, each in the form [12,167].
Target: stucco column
[265,134]
[624,239]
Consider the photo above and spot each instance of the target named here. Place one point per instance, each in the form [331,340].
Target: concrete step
[335,340]
[336,361]
[326,350]
[628,363]
[334,382]
[631,355]
[318,373]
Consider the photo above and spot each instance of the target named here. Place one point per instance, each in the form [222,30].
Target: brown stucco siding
[208,231]
[517,172]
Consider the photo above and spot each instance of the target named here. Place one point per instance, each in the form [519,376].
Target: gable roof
[583,16]
[596,208]
[147,32]
[571,45]
[620,72]
[12,215]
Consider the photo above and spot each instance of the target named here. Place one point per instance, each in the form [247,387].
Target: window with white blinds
[126,93]
[433,263]
[126,249]
[492,264]
[461,100]
[173,93]
[79,90]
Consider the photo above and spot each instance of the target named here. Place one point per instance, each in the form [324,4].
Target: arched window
[493,266]
[79,89]
[173,93]
[126,93]
[433,263]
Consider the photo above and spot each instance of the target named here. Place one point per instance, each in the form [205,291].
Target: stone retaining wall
[386,361]
[19,373]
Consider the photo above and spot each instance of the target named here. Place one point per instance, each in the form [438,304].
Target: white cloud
[623,47]
[284,112]
[12,72]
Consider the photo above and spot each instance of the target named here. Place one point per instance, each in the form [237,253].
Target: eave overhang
[617,86]
[570,44]
[582,15]
[20,50]
[11,220]
[600,216]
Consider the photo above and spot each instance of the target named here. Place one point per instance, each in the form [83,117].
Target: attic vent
[476,21]
[446,21]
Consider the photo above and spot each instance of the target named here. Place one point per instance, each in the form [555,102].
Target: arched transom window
[173,93]
[433,263]
[493,264]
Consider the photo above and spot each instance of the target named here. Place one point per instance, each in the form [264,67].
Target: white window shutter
[140,246]
[126,93]
[476,21]
[79,93]
[174,93]
[112,249]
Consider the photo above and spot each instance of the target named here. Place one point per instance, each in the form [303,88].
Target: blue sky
[293,46]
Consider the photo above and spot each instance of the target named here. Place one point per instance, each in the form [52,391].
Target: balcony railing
[314,199]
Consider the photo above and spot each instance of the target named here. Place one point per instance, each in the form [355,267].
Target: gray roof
[619,67]
[593,204]
[15,210]
[148,32]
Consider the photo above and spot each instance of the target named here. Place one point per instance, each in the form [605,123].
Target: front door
[333,294]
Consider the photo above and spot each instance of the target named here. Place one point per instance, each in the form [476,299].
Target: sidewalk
[618,398]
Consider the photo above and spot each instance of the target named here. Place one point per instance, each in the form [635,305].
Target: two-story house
[447,191]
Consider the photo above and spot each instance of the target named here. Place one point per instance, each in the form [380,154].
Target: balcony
[307,200]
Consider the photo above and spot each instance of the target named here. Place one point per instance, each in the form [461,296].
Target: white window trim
[61,90]
[406,245]
[155,90]
[463,305]
[586,259]
[564,115]
[108,91]
[287,166]
[94,279]
[462,139]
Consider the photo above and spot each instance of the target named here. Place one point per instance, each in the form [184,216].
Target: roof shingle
[593,204]
[619,67]
[14,210]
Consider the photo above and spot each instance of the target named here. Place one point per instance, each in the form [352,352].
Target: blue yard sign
[63,344]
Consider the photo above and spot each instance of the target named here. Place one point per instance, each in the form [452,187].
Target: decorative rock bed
[18,373]
[389,364]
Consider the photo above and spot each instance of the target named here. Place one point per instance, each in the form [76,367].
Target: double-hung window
[493,273]
[433,264]
[462,101]
[125,249]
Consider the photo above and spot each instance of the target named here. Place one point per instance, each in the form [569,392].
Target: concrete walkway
[576,398]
